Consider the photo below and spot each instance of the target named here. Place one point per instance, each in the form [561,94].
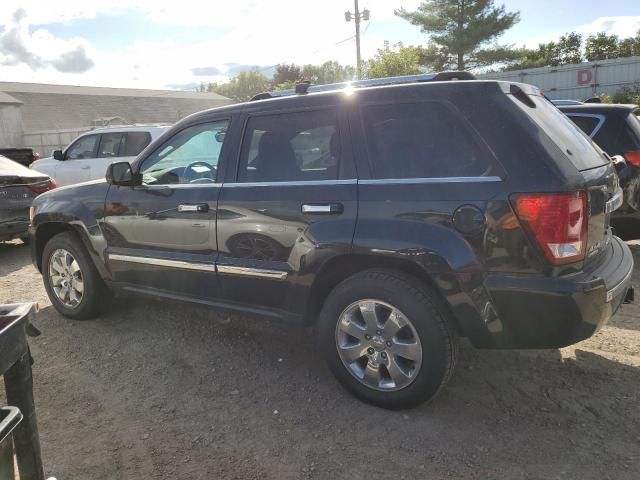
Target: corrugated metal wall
[579,81]
[10,126]
[45,142]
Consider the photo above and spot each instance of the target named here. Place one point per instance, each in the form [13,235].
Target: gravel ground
[163,390]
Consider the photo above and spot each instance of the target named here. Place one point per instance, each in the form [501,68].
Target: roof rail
[303,88]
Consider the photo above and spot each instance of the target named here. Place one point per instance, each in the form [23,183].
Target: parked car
[616,129]
[89,155]
[396,218]
[23,156]
[18,187]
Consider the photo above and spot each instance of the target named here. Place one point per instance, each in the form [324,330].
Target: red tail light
[633,158]
[43,187]
[36,156]
[557,222]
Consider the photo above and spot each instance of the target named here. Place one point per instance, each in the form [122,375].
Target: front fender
[79,209]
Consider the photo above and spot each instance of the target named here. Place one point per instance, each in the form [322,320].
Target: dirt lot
[164,390]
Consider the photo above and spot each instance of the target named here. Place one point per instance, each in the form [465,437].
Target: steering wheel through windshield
[191,175]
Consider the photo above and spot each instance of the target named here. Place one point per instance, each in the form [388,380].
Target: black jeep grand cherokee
[395,218]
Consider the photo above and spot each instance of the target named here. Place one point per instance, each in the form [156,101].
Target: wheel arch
[46,230]
[454,294]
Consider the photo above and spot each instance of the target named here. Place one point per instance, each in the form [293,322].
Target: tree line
[462,35]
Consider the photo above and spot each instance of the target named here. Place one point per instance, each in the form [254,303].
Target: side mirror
[58,155]
[120,173]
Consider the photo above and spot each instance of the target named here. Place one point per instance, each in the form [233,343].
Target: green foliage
[601,47]
[286,73]
[250,83]
[628,95]
[567,50]
[284,85]
[393,61]
[628,47]
[605,98]
[328,72]
[242,87]
[464,32]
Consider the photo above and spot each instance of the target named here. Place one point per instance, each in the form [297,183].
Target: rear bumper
[543,312]
[14,229]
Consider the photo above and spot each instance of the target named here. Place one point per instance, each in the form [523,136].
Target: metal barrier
[18,425]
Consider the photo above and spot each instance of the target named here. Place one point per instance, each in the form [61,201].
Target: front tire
[388,338]
[71,279]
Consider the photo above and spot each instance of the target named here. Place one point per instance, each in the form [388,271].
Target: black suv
[395,218]
[616,129]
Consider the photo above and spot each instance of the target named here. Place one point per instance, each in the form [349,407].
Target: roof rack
[303,88]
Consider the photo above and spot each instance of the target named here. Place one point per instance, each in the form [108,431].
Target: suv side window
[190,156]
[286,147]
[84,147]
[134,143]
[586,123]
[423,140]
[109,145]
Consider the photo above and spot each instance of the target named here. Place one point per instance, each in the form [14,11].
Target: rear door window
[573,142]
[109,145]
[286,147]
[424,140]
[134,143]
[619,135]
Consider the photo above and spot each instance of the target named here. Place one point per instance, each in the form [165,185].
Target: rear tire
[400,363]
[72,282]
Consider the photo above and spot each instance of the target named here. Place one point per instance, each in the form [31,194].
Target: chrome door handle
[197,207]
[86,168]
[323,208]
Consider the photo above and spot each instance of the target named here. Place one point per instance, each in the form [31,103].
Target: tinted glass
[109,145]
[423,140]
[134,143]
[565,134]
[586,124]
[633,133]
[84,147]
[290,147]
[190,156]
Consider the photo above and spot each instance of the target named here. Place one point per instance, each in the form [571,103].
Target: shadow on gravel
[13,256]
[243,398]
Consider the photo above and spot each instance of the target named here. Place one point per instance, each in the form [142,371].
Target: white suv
[89,155]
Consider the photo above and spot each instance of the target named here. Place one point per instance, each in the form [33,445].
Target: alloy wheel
[66,278]
[378,345]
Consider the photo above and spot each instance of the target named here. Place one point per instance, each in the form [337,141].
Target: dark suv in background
[394,215]
[616,129]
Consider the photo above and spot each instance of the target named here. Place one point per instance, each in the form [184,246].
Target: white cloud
[256,33]
[245,32]
[623,26]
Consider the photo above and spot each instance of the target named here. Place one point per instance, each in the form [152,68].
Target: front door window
[190,156]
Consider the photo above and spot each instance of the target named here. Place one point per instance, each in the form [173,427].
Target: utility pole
[357,16]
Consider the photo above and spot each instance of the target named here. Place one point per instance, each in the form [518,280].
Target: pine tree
[465,31]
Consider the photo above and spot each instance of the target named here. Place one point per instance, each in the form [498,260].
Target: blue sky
[156,44]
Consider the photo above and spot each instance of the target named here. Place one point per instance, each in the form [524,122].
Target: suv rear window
[577,146]
[423,140]
[587,123]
